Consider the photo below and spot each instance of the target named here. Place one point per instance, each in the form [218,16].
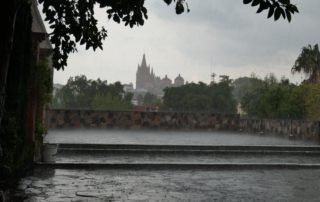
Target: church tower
[147,81]
[143,76]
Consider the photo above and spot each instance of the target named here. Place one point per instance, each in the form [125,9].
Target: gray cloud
[222,36]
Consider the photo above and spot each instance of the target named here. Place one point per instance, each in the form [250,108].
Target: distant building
[178,81]
[147,81]
[56,88]
[128,88]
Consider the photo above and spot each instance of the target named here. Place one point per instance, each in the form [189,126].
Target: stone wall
[306,130]
[299,129]
[140,120]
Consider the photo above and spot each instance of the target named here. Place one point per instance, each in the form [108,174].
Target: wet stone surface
[46,184]
[169,185]
[113,157]
[96,136]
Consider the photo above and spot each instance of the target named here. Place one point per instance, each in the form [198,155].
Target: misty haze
[167,100]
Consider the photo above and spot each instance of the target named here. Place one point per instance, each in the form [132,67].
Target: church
[147,81]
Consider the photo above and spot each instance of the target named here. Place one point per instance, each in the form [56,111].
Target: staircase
[146,156]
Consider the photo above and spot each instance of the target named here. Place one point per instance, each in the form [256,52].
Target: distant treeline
[273,98]
[251,96]
[215,97]
[81,93]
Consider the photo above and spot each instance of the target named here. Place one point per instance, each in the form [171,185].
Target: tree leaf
[116,18]
[179,8]
[283,13]
[247,1]
[271,12]
[288,15]
[255,2]
[277,13]
[284,1]
[263,6]
[168,2]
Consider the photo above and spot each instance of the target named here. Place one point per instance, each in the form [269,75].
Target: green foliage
[151,99]
[43,73]
[276,8]
[309,62]
[73,21]
[280,99]
[243,85]
[81,93]
[270,98]
[216,97]
[180,5]
[311,93]
[40,130]
[109,102]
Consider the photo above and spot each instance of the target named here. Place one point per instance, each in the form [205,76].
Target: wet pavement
[161,137]
[170,185]
[82,157]
[139,183]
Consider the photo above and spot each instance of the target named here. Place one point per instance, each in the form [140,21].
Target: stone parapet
[295,129]
[298,129]
[140,120]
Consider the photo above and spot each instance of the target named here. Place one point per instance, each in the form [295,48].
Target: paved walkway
[162,137]
[181,154]
[170,185]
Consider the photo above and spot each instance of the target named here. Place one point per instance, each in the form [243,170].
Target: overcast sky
[224,37]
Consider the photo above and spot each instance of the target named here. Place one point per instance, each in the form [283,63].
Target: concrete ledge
[187,152]
[186,149]
[144,147]
[294,129]
[175,166]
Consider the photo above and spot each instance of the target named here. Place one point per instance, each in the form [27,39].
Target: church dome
[179,81]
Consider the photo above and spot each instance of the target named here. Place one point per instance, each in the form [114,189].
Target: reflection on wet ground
[171,185]
[184,158]
[96,136]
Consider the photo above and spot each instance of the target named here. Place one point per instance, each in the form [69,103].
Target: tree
[225,78]
[275,8]
[216,97]
[109,102]
[311,96]
[151,99]
[213,76]
[243,85]
[81,93]
[73,21]
[308,62]
[270,98]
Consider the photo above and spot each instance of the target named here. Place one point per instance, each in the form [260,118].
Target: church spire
[144,63]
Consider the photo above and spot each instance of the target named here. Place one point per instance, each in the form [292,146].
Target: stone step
[195,152]
[154,157]
[187,148]
[181,154]
[180,166]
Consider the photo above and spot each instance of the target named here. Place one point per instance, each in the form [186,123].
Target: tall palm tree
[308,62]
